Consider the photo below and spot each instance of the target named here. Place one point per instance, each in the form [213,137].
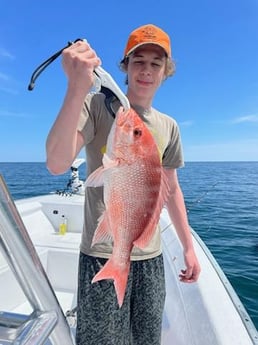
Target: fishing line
[197,201]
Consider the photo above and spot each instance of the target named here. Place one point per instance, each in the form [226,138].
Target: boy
[85,121]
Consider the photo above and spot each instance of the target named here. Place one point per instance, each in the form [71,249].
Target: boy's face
[146,69]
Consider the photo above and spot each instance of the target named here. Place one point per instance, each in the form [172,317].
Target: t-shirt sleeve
[87,120]
[173,154]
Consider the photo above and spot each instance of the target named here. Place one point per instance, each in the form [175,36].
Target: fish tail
[118,274]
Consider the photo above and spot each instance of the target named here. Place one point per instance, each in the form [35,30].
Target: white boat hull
[204,313]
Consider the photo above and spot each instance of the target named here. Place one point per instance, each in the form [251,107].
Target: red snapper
[135,190]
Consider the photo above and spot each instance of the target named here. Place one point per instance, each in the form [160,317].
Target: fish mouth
[122,117]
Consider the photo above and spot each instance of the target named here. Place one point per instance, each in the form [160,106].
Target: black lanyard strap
[46,63]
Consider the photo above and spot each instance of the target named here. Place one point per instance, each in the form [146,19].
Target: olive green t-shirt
[94,124]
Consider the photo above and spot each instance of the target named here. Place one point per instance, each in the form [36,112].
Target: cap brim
[142,44]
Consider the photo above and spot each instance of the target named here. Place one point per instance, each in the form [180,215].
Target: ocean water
[222,204]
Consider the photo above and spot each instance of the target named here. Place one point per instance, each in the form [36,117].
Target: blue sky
[213,95]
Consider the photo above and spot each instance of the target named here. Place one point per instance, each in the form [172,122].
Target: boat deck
[195,314]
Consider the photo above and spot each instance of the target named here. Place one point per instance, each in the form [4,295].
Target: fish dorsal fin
[143,240]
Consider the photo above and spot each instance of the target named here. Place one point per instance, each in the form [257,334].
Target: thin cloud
[4,77]
[8,84]
[246,119]
[6,54]
[186,123]
[9,90]
[223,151]
[10,114]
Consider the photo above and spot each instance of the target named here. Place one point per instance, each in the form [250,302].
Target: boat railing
[47,322]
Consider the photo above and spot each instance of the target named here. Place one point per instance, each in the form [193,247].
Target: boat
[38,277]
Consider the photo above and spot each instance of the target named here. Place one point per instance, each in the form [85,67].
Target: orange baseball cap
[148,34]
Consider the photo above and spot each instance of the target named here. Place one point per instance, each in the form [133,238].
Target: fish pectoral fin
[109,163]
[102,233]
[95,179]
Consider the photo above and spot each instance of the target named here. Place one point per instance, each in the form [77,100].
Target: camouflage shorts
[137,322]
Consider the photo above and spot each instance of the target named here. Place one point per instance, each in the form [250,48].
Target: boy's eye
[141,62]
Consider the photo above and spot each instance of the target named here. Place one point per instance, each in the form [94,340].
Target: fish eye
[137,132]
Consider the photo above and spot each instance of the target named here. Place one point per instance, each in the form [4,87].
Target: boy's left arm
[177,212]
